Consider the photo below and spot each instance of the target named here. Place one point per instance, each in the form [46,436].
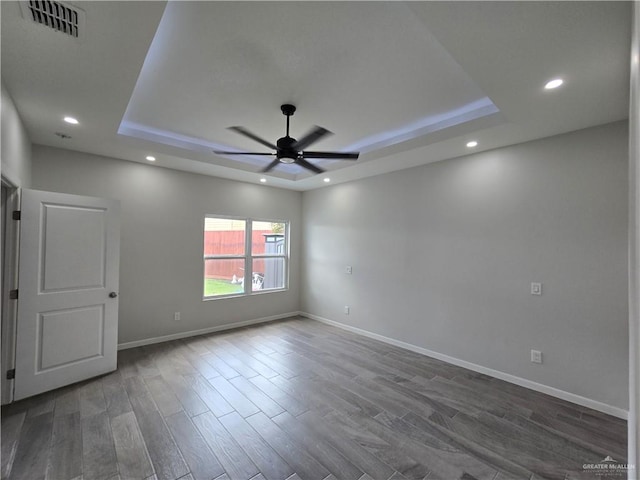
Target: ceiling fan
[290,150]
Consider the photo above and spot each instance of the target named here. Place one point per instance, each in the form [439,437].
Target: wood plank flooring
[299,400]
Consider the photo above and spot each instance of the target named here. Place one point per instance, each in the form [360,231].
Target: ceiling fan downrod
[288,110]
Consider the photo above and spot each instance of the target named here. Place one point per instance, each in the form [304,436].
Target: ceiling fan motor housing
[286,153]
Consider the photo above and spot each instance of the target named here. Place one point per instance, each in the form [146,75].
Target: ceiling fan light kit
[289,150]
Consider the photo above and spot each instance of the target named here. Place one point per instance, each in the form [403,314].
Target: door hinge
[16,215]
[11,374]
[13,294]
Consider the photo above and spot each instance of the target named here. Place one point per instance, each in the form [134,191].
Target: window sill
[241,295]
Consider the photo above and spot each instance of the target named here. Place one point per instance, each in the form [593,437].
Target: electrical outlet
[348,269]
[536,288]
[536,356]
[346,310]
[176,317]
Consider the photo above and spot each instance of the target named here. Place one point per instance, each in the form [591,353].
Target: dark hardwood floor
[297,399]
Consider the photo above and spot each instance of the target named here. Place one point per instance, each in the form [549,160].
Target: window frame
[247,257]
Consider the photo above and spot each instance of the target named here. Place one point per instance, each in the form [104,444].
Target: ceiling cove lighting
[555,83]
[151,158]
[327,180]
[263,180]
[71,120]
[472,144]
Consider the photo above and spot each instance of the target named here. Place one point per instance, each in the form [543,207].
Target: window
[235,246]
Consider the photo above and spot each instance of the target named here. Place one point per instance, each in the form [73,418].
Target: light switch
[536,356]
[536,288]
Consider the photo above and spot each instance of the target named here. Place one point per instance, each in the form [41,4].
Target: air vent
[58,16]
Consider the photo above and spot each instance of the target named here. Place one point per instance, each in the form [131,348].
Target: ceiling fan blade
[309,166]
[313,136]
[271,166]
[253,136]
[332,155]
[221,152]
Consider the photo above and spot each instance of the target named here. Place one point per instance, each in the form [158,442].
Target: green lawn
[213,286]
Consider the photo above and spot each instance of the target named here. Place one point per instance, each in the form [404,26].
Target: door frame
[10,232]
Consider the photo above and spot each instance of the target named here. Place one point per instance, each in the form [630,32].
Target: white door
[67,326]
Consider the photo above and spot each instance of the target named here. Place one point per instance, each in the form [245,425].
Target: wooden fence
[231,242]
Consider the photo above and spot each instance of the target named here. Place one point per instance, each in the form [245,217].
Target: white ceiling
[405,83]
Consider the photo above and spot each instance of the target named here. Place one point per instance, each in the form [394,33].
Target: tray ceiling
[404,83]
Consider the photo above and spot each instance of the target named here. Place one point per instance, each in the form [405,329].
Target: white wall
[162,238]
[443,256]
[634,247]
[16,146]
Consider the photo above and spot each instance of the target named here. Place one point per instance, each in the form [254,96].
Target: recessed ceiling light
[151,158]
[71,120]
[327,180]
[472,144]
[263,180]
[555,83]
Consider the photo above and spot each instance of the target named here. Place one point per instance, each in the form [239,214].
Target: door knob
[113,295]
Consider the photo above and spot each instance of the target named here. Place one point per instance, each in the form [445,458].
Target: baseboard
[538,387]
[204,331]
